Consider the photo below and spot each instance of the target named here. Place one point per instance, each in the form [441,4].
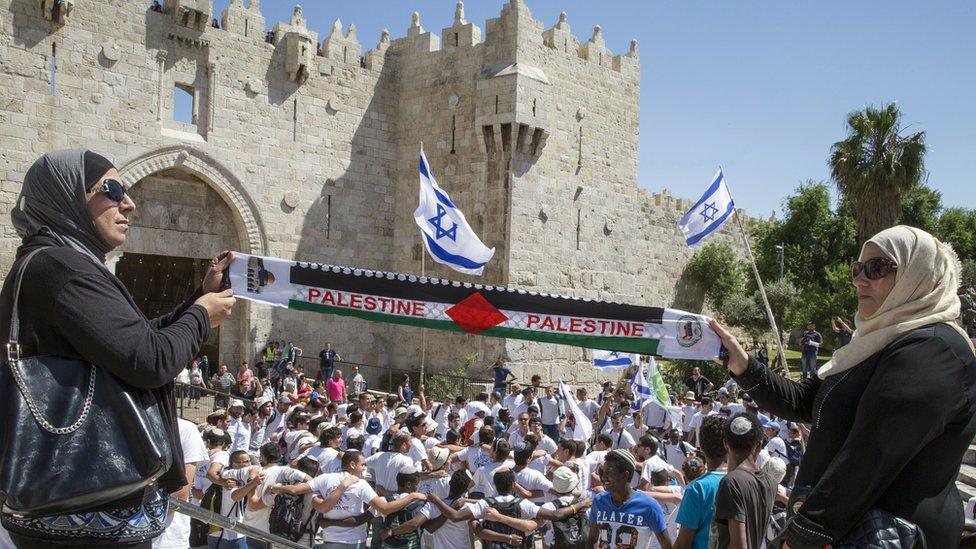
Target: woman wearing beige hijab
[893,412]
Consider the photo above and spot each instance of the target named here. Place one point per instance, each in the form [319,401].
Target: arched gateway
[189,208]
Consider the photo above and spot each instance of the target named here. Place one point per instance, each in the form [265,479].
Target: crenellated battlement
[514,31]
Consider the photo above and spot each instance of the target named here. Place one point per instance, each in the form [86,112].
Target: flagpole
[423,273]
[762,290]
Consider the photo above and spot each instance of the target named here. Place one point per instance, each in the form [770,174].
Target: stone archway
[189,208]
[214,174]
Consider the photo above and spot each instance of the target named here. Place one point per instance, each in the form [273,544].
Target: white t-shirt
[687,414]
[240,434]
[590,408]
[349,505]
[327,457]
[417,451]
[777,448]
[440,487]
[512,401]
[475,456]
[547,445]
[622,439]
[276,474]
[484,477]
[676,454]
[194,453]
[452,535]
[233,510]
[183,376]
[371,444]
[516,439]
[531,480]
[527,509]
[670,517]
[549,410]
[654,463]
[358,383]
[385,466]
[439,413]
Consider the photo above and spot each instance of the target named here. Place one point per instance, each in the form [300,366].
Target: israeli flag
[641,389]
[613,359]
[445,232]
[709,213]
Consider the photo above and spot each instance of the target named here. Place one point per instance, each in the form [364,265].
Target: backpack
[210,501]
[286,517]
[411,539]
[467,430]
[794,452]
[573,532]
[509,509]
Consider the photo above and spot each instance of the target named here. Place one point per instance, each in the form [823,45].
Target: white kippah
[740,426]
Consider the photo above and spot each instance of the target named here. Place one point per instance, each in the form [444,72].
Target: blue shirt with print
[698,506]
[632,524]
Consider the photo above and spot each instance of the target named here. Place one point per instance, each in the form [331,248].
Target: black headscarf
[53,200]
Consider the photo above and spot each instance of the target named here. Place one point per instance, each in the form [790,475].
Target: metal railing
[194,403]
[209,517]
[391,376]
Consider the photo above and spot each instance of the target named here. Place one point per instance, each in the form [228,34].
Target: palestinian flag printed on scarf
[492,311]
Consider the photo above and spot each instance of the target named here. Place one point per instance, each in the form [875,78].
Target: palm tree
[876,165]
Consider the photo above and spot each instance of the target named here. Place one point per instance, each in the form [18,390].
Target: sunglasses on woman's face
[874,268]
[113,188]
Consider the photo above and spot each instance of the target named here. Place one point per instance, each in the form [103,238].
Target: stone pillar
[161,61]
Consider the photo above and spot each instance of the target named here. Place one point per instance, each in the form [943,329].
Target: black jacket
[890,432]
[72,307]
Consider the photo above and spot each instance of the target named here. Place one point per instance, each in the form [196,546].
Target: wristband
[573,508]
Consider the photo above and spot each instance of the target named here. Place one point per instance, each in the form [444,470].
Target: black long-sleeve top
[72,307]
[890,432]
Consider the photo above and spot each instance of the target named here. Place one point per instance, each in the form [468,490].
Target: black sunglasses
[874,268]
[113,188]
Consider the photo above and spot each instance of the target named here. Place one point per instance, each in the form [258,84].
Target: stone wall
[306,148]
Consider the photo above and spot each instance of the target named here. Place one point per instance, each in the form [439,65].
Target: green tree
[715,269]
[957,226]
[876,165]
[920,207]
[969,273]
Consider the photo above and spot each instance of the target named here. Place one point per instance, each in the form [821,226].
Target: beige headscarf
[924,293]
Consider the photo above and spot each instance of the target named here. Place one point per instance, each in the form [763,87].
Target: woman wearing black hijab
[73,205]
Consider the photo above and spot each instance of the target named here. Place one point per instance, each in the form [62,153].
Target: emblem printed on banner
[689,330]
[257,276]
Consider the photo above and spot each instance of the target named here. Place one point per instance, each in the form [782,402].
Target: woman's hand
[738,359]
[215,273]
[218,305]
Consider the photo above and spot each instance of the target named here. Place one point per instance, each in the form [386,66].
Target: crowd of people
[337,468]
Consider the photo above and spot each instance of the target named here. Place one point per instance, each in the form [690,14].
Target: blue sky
[760,87]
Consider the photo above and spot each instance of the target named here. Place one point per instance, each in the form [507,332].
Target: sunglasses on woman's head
[874,268]
[113,188]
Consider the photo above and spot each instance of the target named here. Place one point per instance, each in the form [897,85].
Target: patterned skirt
[125,525]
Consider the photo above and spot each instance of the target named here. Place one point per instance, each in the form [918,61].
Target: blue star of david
[441,231]
[709,211]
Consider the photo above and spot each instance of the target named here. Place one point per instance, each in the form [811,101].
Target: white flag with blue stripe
[641,388]
[613,359]
[709,213]
[445,232]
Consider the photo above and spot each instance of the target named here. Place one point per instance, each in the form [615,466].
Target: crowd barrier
[201,514]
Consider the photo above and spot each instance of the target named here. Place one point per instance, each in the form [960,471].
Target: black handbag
[879,528]
[74,437]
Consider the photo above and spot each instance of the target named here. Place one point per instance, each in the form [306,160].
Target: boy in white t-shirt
[344,496]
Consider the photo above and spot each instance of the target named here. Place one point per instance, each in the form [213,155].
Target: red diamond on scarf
[474,314]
